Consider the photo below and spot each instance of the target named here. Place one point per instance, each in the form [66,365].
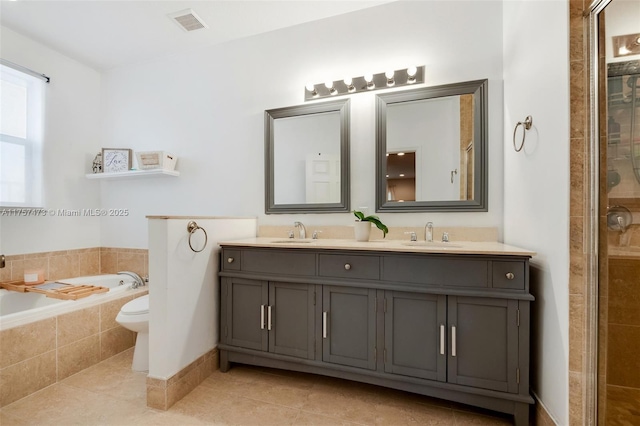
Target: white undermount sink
[434,244]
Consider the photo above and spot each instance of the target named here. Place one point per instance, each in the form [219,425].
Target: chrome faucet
[428,232]
[137,279]
[302,233]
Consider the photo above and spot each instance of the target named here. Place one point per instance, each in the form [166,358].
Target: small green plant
[373,219]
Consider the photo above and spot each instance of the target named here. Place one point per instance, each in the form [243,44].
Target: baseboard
[162,394]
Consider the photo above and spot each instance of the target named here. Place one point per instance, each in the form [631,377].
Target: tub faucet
[428,232]
[137,279]
[302,233]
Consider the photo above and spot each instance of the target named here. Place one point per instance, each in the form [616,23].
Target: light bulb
[411,74]
[310,87]
[390,80]
[369,79]
[329,85]
[400,154]
[348,81]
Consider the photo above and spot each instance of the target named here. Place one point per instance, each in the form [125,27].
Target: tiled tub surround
[38,354]
[77,263]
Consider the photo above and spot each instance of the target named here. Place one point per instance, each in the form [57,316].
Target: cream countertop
[457,247]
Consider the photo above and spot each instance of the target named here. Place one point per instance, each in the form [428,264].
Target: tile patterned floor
[109,393]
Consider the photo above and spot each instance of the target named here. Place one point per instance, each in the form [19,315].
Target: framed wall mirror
[307,158]
[431,149]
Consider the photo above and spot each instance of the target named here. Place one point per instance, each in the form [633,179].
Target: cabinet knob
[510,275]
[230,260]
[347,266]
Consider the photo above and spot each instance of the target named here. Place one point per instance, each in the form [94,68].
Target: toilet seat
[136,306]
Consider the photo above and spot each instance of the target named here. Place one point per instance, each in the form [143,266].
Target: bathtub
[21,308]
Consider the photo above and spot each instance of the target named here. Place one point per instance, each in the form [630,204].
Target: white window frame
[33,142]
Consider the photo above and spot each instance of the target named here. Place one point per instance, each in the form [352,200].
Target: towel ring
[192,227]
[526,126]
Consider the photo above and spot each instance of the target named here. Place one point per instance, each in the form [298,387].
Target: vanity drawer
[436,271]
[231,260]
[508,275]
[349,266]
[290,262]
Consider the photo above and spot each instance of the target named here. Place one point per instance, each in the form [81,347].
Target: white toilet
[134,315]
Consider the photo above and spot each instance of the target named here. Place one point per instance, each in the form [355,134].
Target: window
[21,134]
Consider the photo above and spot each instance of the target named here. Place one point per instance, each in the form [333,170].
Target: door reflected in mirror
[431,149]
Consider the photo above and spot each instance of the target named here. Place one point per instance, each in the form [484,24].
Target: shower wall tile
[78,325]
[27,377]
[624,291]
[26,341]
[623,407]
[623,362]
[77,356]
[108,262]
[19,266]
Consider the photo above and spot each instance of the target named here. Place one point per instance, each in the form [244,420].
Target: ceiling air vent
[188,20]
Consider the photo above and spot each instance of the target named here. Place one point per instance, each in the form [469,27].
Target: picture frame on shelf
[116,160]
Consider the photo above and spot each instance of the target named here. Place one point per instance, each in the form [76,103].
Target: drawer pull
[441,339]
[269,317]
[347,266]
[510,275]
[261,317]
[230,260]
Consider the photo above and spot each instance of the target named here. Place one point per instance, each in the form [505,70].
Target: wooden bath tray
[55,290]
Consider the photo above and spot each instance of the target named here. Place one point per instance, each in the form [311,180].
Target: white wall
[184,294]
[71,140]
[207,107]
[536,180]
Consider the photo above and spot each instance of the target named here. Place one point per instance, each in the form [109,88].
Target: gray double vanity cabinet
[450,322]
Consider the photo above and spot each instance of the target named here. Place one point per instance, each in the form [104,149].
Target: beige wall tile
[156,397]
[622,406]
[89,263]
[77,356]
[109,311]
[78,325]
[179,389]
[40,337]
[624,291]
[65,266]
[108,262]
[576,333]
[24,378]
[114,341]
[623,362]
[5,273]
[131,261]
[19,266]
[576,398]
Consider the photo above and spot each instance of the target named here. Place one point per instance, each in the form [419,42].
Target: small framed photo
[116,160]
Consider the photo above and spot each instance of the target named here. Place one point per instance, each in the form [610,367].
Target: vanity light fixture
[365,83]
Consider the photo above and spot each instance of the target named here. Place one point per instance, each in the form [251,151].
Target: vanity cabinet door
[415,335]
[349,326]
[483,343]
[243,313]
[291,319]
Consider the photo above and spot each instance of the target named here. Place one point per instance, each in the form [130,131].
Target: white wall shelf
[133,174]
